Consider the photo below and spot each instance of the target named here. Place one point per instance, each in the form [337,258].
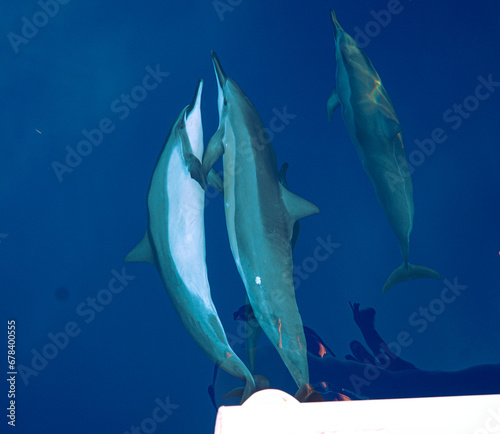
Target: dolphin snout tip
[199,87]
[196,102]
[336,25]
[219,72]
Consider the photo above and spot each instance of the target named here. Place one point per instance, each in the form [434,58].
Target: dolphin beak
[336,26]
[195,104]
[219,72]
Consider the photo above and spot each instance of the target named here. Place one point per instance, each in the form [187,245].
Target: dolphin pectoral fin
[296,206]
[196,171]
[215,180]
[191,161]
[142,252]
[332,104]
[393,128]
[409,271]
[213,151]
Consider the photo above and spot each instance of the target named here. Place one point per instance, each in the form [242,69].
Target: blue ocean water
[69,218]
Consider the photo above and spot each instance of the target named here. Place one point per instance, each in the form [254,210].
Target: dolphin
[260,215]
[175,239]
[376,133]
[252,327]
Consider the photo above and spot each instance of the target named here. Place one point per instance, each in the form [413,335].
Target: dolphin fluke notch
[409,271]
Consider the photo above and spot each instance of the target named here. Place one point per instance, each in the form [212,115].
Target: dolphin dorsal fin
[296,206]
[142,252]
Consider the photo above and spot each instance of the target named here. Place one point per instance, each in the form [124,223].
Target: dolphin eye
[225,102]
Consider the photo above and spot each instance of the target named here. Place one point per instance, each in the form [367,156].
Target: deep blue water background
[72,234]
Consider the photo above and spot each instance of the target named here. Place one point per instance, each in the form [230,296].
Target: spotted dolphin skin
[375,131]
[175,239]
[260,214]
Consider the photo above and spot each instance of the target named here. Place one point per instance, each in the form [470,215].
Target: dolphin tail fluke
[142,252]
[249,390]
[332,104]
[241,392]
[260,382]
[409,271]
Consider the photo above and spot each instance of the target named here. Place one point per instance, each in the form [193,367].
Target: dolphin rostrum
[175,239]
[375,131]
[260,214]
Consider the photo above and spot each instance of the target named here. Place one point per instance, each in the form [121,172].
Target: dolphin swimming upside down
[175,239]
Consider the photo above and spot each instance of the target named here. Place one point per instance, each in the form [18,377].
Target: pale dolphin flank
[260,214]
[175,239]
[375,131]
